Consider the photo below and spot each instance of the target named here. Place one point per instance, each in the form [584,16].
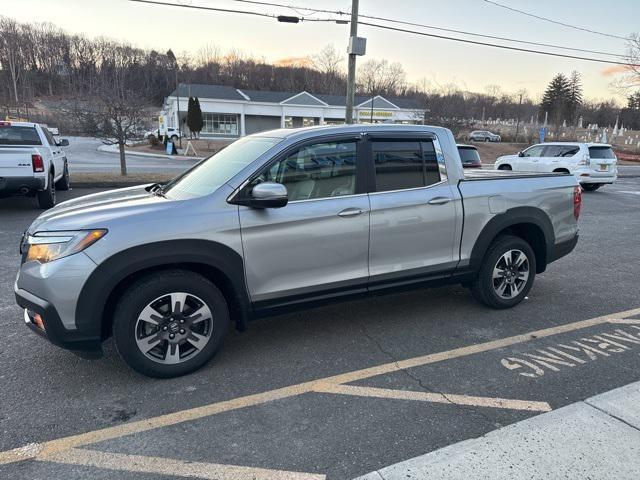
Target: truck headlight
[48,246]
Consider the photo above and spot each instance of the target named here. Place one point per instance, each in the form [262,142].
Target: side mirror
[269,195]
[520,154]
[63,143]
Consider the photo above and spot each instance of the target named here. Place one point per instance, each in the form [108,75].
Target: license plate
[603,167]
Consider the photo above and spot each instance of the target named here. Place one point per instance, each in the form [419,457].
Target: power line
[505,47]
[387,27]
[230,10]
[402,22]
[555,21]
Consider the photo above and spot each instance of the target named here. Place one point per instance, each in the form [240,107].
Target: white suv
[593,164]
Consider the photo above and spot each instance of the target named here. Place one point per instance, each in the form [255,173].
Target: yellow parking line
[47,448]
[492,402]
[169,466]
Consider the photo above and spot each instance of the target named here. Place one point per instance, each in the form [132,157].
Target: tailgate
[16,161]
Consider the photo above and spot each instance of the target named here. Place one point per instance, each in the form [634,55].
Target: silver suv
[279,220]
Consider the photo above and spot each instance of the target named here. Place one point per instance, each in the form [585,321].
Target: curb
[109,149]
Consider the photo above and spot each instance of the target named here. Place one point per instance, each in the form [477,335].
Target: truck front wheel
[170,323]
[506,274]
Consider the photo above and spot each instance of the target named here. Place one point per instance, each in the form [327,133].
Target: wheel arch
[216,262]
[529,223]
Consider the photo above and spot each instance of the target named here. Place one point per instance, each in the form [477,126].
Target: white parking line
[169,466]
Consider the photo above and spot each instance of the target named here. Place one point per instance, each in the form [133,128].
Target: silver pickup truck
[282,220]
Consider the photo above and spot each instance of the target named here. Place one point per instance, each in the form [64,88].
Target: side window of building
[403,164]
[319,170]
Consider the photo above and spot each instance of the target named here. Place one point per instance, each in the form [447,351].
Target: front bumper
[84,344]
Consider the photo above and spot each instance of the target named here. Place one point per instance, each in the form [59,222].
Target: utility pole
[178,98]
[518,117]
[351,78]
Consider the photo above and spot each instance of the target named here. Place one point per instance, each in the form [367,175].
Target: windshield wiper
[156,189]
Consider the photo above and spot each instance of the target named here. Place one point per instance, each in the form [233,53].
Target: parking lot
[336,391]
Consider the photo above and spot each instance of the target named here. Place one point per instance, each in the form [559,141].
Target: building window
[220,124]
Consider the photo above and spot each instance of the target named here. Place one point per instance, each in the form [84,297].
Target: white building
[230,112]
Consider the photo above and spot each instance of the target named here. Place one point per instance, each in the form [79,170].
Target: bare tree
[379,77]
[11,49]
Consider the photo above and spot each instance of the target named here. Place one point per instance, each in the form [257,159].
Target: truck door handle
[439,201]
[351,212]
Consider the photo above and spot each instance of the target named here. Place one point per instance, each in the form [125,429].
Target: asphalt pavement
[84,157]
[337,391]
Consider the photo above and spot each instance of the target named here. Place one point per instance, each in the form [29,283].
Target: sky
[434,62]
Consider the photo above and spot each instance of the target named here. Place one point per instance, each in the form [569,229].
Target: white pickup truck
[32,162]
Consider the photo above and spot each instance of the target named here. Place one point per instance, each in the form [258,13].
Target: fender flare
[109,275]
[510,218]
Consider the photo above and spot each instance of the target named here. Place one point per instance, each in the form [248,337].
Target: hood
[99,209]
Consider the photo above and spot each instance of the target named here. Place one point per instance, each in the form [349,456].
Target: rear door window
[601,152]
[404,164]
[560,150]
[15,135]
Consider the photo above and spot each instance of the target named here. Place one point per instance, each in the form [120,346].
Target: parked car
[593,164]
[173,133]
[469,156]
[281,220]
[484,136]
[32,162]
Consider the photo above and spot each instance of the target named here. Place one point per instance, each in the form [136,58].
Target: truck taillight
[37,163]
[577,201]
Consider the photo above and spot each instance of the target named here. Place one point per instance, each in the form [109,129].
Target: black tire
[590,187]
[47,197]
[484,289]
[158,285]
[63,184]
[505,167]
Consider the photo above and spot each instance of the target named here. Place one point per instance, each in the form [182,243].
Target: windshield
[601,152]
[469,155]
[13,135]
[207,176]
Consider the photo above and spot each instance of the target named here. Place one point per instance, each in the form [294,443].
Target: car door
[414,211]
[556,157]
[318,243]
[529,161]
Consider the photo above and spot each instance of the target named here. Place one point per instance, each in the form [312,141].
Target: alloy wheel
[174,328]
[510,274]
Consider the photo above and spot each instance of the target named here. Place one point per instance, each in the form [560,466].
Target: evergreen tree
[198,120]
[556,99]
[191,117]
[574,98]
[634,101]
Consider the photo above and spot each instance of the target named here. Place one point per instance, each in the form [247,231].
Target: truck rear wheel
[507,273]
[590,187]
[170,323]
[47,197]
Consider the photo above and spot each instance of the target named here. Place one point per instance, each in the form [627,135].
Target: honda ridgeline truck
[279,220]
